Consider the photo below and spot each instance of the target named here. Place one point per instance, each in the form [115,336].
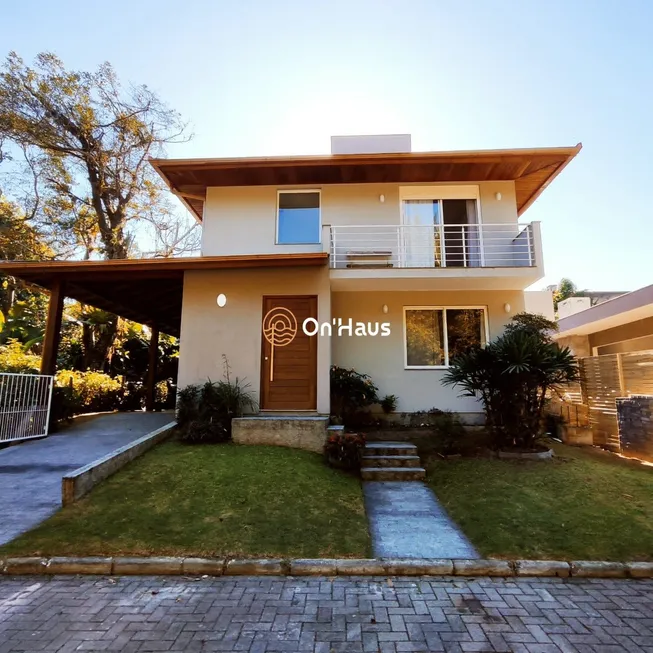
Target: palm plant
[512,376]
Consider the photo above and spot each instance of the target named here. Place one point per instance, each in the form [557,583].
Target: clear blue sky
[265,78]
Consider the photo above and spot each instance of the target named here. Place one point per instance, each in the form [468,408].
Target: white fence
[25,401]
[433,246]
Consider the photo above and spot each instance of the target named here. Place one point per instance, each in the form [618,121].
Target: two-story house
[406,258]
[428,242]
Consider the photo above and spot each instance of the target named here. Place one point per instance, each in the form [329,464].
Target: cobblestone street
[324,615]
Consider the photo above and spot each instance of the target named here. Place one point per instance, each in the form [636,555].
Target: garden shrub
[204,412]
[92,392]
[351,392]
[389,403]
[63,407]
[448,430]
[345,450]
[512,376]
[132,397]
[15,360]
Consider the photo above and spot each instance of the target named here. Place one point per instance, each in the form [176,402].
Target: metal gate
[25,401]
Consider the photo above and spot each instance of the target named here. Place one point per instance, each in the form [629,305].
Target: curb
[170,566]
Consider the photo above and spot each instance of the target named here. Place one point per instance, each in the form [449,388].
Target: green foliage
[204,412]
[14,359]
[448,430]
[566,288]
[76,127]
[63,407]
[389,403]
[91,391]
[536,325]
[25,319]
[345,450]
[351,392]
[512,376]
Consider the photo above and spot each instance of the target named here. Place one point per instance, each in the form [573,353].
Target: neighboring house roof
[632,306]
[148,291]
[532,170]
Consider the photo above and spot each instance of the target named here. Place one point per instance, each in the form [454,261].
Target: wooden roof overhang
[531,170]
[148,291]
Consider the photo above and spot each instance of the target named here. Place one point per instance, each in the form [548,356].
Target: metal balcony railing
[432,246]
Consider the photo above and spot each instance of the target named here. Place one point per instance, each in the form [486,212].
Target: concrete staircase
[391,461]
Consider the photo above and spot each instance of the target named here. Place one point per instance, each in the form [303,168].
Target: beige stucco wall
[539,302]
[208,331]
[637,329]
[383,358]
[578,345]
[242,220]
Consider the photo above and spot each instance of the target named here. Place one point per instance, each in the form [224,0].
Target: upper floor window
[298,217]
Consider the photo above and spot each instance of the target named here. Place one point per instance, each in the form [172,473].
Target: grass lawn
[212,501]
[584,504]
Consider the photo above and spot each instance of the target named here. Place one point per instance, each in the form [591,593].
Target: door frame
[314,351]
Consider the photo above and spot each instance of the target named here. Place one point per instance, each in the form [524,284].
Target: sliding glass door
[421,236]
[440,233]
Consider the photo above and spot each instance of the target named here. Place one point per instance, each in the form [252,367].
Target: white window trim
[299,190]
[444,333]
[461,192]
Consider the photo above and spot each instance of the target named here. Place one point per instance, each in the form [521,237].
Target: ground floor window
[434,335]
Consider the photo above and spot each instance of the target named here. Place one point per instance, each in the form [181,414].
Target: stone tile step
[391,461]
[393,473]
[390,449]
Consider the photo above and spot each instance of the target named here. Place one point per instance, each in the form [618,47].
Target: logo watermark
[311,327]
[280,327]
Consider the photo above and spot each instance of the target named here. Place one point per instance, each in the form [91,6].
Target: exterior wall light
[222,300]
[381,198]
[385,308]
[497,196]
[506,308]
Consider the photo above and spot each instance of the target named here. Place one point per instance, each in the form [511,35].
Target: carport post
[53,328]
[151,368]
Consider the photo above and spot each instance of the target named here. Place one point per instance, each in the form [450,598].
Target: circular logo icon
[279,326]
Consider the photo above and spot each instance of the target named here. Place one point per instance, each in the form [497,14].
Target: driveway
[31,472]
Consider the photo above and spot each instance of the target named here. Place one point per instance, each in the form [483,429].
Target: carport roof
[148,291]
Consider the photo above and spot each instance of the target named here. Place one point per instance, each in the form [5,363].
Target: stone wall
[283,431]
[635,418]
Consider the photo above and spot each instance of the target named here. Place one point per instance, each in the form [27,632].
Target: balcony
[471,252]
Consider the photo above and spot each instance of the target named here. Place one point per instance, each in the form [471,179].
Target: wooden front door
[289,356]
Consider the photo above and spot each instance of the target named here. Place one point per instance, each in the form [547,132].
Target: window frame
[445,336]
[297,191]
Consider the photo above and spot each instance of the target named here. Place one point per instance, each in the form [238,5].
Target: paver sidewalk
[407,521]
[323,615]
[31,472]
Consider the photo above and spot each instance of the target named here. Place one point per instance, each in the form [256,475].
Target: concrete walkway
[31,472]
[407,521]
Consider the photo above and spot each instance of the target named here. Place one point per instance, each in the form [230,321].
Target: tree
[87,141]
[78,144]
[22,311]
[566,288]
